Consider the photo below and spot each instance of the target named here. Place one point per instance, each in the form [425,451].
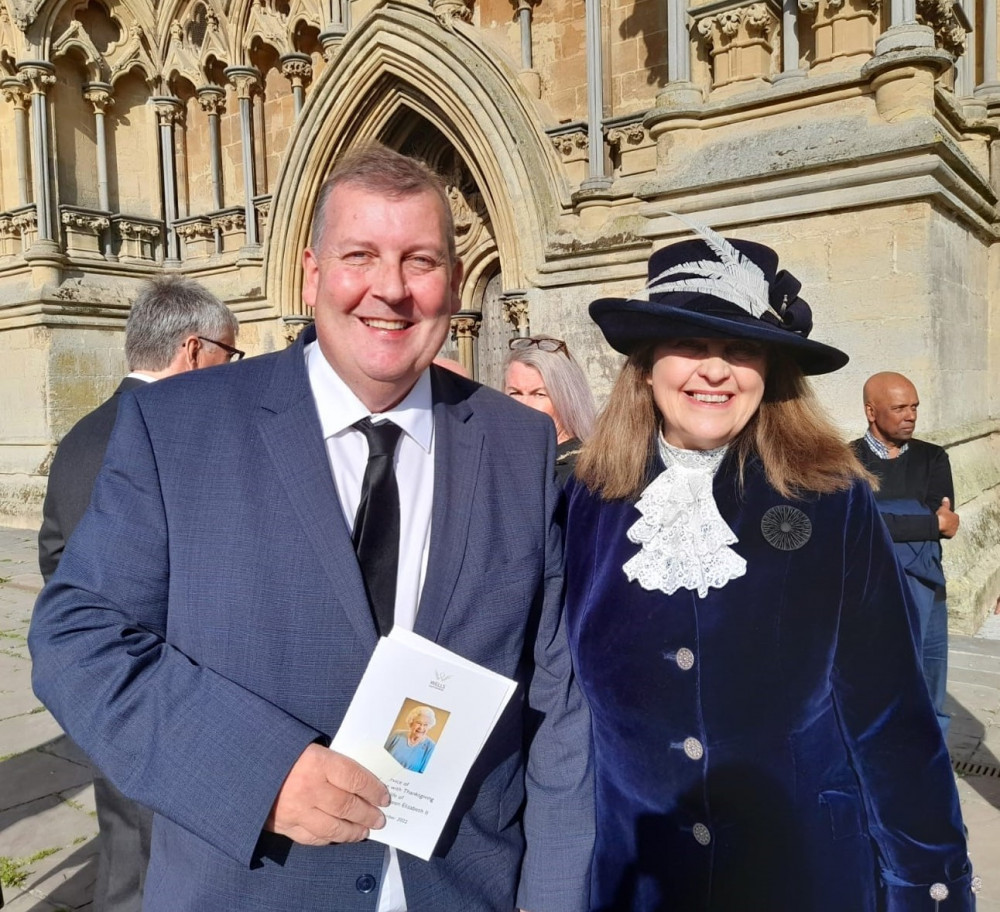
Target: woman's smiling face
[706,390]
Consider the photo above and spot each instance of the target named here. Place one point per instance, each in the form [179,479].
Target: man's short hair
[378,169]
[165,312]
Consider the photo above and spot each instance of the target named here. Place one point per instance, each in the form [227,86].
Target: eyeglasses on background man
[234,353]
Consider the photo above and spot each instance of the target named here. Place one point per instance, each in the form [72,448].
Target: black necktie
[376,525]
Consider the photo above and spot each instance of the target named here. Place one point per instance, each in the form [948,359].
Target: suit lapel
[290,430]
[458,446]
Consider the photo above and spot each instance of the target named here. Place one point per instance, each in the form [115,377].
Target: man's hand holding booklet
[418,720]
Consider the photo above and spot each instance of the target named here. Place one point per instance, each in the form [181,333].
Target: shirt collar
[339,408]
[879,448]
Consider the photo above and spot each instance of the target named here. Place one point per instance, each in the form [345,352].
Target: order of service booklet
[418,720]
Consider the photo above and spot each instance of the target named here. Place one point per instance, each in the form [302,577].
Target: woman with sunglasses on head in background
[763,738]
[540,373]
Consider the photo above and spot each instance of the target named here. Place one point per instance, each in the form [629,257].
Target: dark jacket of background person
[252,646]
[72,475]
[922,473]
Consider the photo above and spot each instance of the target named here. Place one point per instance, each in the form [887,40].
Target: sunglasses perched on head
[522,343]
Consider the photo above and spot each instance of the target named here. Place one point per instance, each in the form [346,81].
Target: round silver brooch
[785,528]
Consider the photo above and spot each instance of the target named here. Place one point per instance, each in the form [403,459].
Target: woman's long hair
[566,385]
[799,447]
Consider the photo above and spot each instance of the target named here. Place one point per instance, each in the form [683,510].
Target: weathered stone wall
[865,170]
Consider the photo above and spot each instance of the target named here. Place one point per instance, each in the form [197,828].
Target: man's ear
[869,413]
[457,272]
[192,352]
[310,277]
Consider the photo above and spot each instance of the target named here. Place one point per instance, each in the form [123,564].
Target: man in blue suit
[209,622]
[175,325]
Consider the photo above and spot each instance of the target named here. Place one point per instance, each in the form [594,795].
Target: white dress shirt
[347,450]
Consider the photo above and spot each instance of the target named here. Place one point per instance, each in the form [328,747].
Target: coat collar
[290,429]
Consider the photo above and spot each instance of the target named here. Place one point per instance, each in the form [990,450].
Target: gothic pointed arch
[196,39]
[135,21]
[403,61]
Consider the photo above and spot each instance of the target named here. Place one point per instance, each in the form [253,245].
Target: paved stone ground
[48,825]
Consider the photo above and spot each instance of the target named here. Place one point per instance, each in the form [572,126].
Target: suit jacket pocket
[844,810]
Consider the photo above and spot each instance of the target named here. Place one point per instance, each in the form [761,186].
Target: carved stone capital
[99,95]
[228,222]
[452,11]
[140,231]
[193,231]
[466,325]
[297,69]
[25,220]
[263,207]
[949,29]
[169,110]
[82,221]
[38,75]
[571,145]
[515,311]
[15,92]
[732,26]
[632,135]
[246,80]
[740,42]
[212,99]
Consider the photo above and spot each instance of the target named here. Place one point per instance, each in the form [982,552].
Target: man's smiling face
[383,290]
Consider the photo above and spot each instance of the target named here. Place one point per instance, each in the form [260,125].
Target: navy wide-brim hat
[717,287]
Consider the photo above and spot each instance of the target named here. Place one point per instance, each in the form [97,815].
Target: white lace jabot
[685,541]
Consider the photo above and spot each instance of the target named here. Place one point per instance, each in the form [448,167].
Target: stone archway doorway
[480,330]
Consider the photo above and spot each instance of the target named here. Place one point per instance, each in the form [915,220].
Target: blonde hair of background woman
[566,385]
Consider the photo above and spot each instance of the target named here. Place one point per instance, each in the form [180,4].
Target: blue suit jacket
[209,620]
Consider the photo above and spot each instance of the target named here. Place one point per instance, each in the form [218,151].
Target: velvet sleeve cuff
[945,896]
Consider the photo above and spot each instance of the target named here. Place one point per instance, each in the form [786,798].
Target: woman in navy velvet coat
[762,735]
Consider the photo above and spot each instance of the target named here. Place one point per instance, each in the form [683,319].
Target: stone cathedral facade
[857,137]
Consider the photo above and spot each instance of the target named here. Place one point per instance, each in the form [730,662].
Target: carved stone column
[679,92]
[465,326]
[247,81]
[99,95]
[597,177]
[212,100]
[515,311]
[169,115]
[39,76]
[528,75]
[790,50]
[842,29]
[990,86]
[297,69]
[15,92]
[336,27]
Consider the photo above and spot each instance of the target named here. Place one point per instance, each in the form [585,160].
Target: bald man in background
[915,499]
